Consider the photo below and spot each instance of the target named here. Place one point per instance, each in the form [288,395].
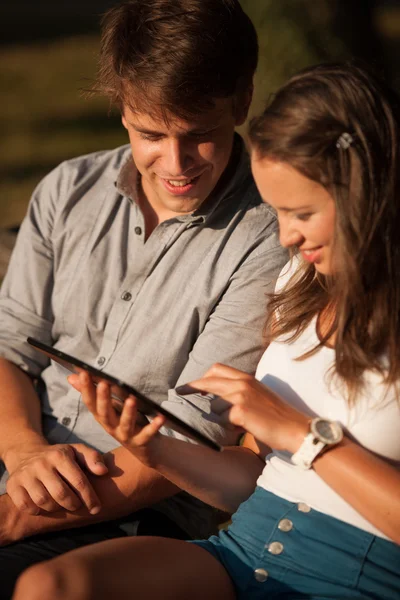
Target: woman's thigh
[139,568]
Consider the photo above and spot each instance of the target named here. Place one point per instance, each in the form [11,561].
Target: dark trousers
[19,556]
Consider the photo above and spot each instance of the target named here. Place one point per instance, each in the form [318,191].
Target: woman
[324,520]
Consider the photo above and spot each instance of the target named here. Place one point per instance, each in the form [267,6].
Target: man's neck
[152,215]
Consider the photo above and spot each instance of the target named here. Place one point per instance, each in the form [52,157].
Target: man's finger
[42,497]
[22,500]
[80,485]
[60,492]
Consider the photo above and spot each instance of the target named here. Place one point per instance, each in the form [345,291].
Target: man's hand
[47,478]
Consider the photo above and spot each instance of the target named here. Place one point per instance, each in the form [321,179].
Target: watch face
[327,431]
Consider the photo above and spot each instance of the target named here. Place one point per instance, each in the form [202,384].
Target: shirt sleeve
[233,336]
[25,296]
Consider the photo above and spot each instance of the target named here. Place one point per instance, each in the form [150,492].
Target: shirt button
[138,230]
[261,575]
[101,360]
[275,548]
[126,296]
[303,507]
[285,525]
[66,421]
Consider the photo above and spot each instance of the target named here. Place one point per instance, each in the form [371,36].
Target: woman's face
[305,209]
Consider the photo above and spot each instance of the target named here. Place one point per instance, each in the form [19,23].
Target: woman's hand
[122,426]
[255,407]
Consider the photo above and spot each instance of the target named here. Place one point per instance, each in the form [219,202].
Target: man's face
[181,162]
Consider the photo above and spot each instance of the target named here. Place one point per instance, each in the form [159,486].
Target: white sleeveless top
[374,422]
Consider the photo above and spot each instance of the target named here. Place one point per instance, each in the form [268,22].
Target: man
[151,261]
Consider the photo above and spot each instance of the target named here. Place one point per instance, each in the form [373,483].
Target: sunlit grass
[44,118]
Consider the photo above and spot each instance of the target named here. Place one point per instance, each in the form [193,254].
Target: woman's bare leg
[128,569]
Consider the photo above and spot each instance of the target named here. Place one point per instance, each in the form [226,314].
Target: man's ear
[124,123]
[242,104]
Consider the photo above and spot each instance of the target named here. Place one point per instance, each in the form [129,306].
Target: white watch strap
[307,452]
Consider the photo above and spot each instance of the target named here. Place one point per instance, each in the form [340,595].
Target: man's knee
[50,580]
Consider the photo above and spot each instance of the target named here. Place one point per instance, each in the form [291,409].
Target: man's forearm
[127,487]
[19,408]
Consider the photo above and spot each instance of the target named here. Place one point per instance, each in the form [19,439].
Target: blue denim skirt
[279,549]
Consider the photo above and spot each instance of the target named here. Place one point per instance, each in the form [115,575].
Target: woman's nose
[288,235]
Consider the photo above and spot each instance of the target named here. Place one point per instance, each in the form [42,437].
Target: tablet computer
[121,390]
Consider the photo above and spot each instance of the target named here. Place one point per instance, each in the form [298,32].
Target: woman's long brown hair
[301,126]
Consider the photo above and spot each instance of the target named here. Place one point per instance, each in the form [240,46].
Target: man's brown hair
[176,56]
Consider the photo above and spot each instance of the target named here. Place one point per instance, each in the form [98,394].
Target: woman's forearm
[222,479]
[369,484]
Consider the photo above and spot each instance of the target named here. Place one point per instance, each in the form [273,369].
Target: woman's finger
[74,381]
[88,391]
[149,431]
[219,386]
[127,421]
[104,408]
[226,372]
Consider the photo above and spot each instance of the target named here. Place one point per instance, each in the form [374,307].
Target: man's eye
[198,135]
[149,137]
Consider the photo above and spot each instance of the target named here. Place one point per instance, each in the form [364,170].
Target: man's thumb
[90,459]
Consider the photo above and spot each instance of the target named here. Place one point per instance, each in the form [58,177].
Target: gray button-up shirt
[156,314]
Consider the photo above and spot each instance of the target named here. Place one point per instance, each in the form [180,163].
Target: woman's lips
[313,255]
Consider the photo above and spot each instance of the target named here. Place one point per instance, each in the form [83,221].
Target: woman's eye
[304,216]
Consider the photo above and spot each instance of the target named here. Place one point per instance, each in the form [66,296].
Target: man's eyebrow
[140,129]
[193,130]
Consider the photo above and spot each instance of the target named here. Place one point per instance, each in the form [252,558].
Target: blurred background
[48,54]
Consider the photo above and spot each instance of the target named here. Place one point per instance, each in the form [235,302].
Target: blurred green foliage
[44,119]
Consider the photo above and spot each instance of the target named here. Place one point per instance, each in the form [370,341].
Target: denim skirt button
[285,525]
[303,507]
[275,548]
[261,575]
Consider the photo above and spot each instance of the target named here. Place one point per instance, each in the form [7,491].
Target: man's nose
[178,158]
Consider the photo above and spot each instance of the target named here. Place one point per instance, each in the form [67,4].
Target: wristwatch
[323,432]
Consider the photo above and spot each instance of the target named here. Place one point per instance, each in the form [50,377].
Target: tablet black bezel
[58,355]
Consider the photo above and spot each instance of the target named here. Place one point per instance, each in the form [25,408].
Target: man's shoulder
[102,162]
[89,177]
[242,197]
[248,209]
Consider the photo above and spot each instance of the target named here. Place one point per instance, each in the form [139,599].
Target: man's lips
[180,186]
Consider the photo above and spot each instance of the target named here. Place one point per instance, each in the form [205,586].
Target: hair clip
[344,141]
